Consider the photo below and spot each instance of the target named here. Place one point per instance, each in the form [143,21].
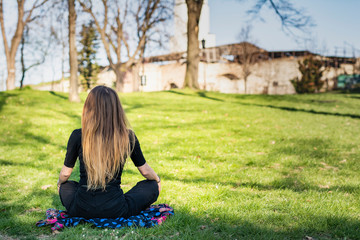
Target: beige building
[221,69]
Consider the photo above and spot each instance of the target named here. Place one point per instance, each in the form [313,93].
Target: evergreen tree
[88,68]
[310,81]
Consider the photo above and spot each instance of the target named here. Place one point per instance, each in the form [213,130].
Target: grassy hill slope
[232,166]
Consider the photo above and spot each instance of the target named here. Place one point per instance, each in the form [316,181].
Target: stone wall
[59,86]
[267,77]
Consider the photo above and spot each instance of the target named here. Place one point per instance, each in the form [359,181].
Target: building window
[143,80]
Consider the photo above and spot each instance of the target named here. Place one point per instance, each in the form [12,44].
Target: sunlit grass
[232,166]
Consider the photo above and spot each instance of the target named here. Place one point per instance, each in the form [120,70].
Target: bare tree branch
[249,54]
[290,17]
[29,12]
[101,30]
[43,54]
[23,18]
[2,22]
[113,29]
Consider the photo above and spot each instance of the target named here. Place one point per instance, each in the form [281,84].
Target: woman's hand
[159,185]
[64,176]
[150,174]
[58,185]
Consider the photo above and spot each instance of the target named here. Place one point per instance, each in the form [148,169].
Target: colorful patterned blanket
[155,215]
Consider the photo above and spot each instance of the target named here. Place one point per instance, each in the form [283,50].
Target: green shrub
[310,81]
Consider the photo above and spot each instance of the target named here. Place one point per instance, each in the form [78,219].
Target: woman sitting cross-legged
[102,146]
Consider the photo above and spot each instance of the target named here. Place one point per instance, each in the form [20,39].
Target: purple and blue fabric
[152,216]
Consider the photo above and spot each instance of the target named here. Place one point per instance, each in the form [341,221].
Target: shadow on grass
[75,117]
[3,97]
[136,106]
[355,97]
[270,226]
[18,217]
[301,110]
[292,182]
[22,136]
[58,95]
[350,91]
[198,94]
[179,93]
[275,99]
[306,154]
[4,162]
[181,126]
[37,138]
[203,95]
[186,224]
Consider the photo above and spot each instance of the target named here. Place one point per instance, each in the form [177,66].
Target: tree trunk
[10,51]
[245,84]
[22,61]
[136,73]
[193,58]
[10,81]
[73,91]
[120,75]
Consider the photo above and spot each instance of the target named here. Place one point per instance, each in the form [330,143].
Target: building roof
[233,53]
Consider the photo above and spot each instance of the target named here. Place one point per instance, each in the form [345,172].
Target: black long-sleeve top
[74,151]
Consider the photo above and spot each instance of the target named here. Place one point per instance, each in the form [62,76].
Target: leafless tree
[270,69]
[74,85]
[192,61]
[24,17]
[37,43]
[36,48]
[112,22]
[59,27]
[249,54]
[291,19]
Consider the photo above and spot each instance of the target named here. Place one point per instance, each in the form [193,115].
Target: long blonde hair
[105,136]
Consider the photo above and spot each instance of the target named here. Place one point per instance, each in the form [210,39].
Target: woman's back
[102,146]
[74,151]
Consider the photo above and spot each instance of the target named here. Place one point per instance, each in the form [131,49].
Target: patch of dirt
[5,237]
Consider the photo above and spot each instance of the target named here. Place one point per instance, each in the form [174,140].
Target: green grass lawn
[232,166]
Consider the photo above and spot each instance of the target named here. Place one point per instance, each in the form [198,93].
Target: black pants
[111,203]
